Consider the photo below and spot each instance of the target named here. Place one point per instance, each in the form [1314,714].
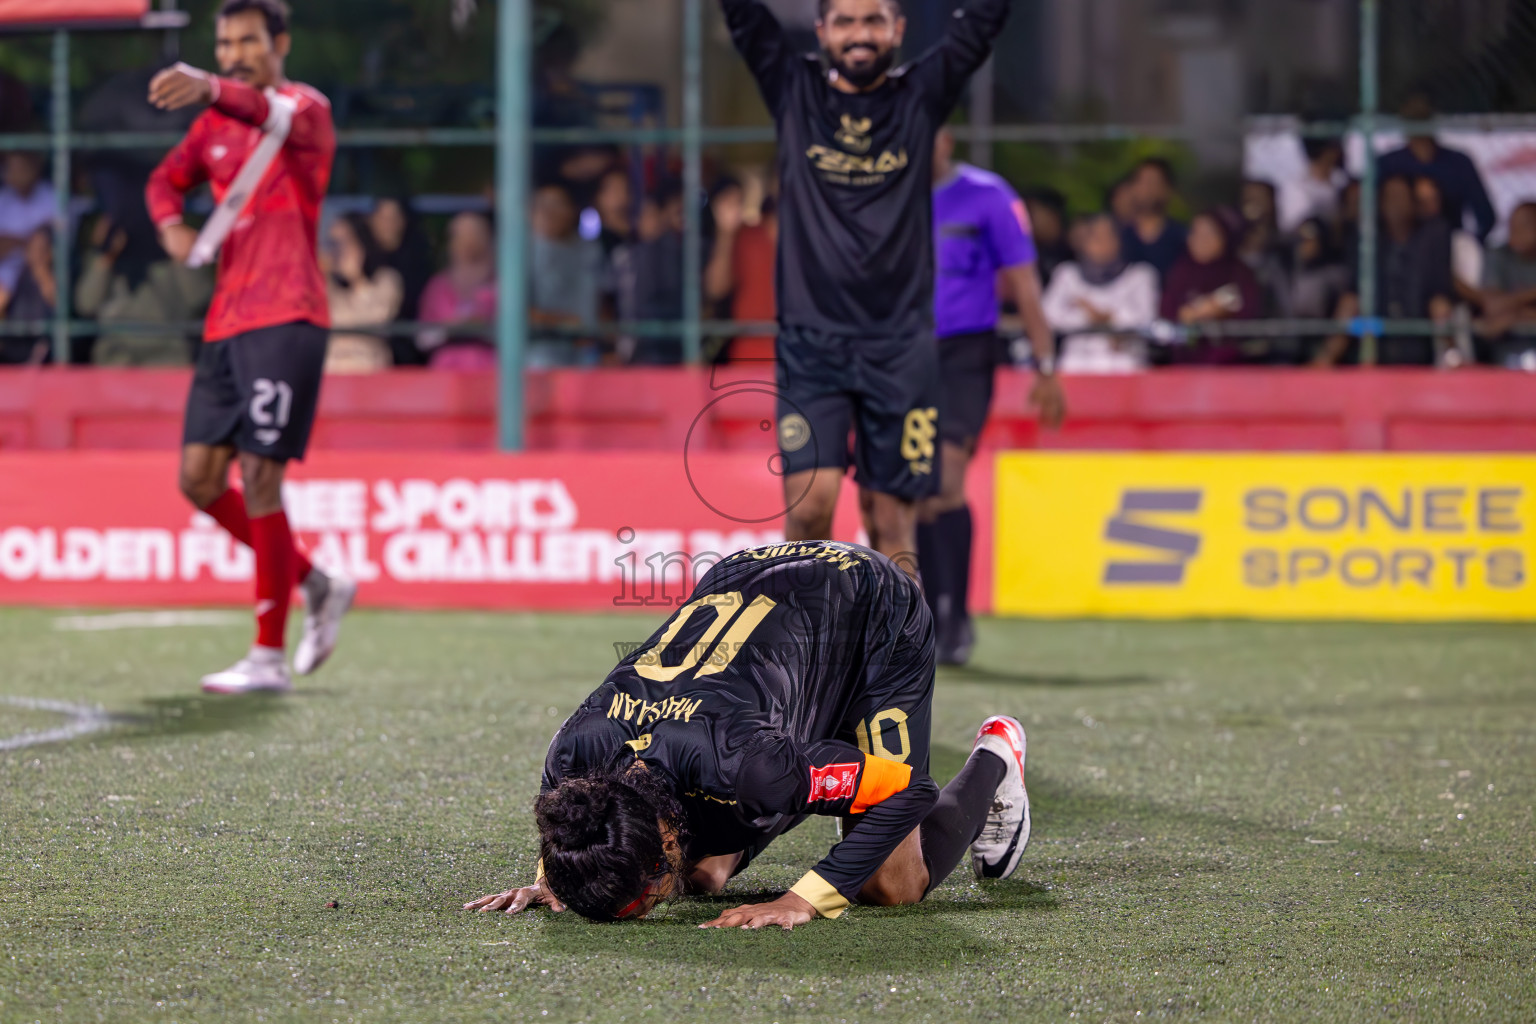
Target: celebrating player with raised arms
[855,260]
[798,680]
[265,146]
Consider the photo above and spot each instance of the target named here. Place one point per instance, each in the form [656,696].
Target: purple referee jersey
[979,227]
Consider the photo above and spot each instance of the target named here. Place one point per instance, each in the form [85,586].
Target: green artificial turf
[1233,821]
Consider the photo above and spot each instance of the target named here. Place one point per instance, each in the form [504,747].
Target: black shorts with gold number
[885,390]
[258,391]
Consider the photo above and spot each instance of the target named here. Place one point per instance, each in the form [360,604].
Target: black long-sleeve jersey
[797,680]
[856,172]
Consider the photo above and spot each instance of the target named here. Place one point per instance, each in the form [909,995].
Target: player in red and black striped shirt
[258,374]
[798,680]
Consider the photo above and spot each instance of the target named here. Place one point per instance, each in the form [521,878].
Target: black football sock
[933,564]
[956,527]
[957,819]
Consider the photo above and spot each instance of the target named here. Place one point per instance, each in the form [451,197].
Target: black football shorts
[967,366]
[884,390]
[258,391]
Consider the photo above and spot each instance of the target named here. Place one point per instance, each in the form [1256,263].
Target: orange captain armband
[881,780]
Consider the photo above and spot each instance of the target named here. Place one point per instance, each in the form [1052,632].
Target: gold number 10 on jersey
[727,606]
[871,735]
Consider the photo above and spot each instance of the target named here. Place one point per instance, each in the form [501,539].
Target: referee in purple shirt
[982,246]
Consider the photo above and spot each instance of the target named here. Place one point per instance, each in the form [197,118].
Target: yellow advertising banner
[1266,536]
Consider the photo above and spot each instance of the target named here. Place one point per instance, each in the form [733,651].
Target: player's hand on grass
[786,912]
[180,85]
[514,900]
[1047,396]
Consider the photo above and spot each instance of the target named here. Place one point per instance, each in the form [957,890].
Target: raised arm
[760,40]
[311,128]
[182,85]
[973,28]
[889,800]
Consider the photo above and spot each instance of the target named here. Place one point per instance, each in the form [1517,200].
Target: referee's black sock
[956,820]
[933,564]
[956,527]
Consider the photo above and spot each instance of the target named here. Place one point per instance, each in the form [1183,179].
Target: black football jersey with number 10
[796,680]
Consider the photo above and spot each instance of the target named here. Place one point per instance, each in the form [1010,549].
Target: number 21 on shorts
[270,393]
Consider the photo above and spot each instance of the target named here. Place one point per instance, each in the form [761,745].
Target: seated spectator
[463,299]
[1048,221]
[130,280]
[30,300]
[1314,195]
[1319,274]
[1258,245]
[362,292]
[1316,275]
[26,206]
[566,275]
[1466,250]
[1120,201]
[741,269]
[648,276]
[402,247]
[1151,236]
[725,217]
[1413,281]
[1100,289]
[1210,282]
[615,205]
[1508,292]
[1461,187]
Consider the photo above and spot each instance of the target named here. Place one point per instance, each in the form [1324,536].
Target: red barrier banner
[590,531]
[52,12]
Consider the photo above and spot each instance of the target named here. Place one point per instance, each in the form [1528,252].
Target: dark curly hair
[599,838]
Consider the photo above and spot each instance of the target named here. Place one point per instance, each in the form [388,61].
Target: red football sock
[228,510]
[273,543]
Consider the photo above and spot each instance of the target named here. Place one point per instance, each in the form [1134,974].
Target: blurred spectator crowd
[607,249]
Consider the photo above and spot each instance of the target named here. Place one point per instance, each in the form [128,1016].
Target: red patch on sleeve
[834,782]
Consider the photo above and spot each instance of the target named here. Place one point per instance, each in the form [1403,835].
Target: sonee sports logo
[1132,524]
[834,782]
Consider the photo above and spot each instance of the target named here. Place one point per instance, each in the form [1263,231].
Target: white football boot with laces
[260,671]
[996,852]
[322,619]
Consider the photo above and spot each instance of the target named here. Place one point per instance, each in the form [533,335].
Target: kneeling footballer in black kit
[798,680]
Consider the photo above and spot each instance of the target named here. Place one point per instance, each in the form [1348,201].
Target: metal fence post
[1370,49]
[513,61]
[693,179]
[982,84]
[61,179]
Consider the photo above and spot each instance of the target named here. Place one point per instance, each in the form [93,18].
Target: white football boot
[260,671]
[996,852]
[322,620]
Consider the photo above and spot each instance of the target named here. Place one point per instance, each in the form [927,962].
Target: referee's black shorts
[258,391]
[967,367]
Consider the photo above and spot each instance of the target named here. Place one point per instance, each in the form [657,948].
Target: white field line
[145,620]
[83,719]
